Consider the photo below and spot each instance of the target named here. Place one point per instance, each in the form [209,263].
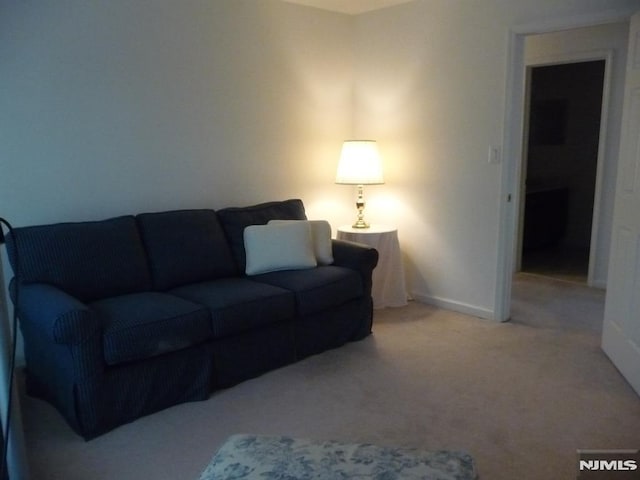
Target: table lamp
[360,165]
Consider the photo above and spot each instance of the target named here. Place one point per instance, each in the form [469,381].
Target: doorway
[567,41]
[560,166]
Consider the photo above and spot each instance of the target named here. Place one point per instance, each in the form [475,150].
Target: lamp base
[360,223]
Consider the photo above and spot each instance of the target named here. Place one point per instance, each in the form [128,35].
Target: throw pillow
[276,247]
[321,238]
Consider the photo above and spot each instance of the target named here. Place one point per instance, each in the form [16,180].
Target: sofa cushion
[320,238]
[317,289]
[239,304]
[88,260]
[147,324]
[185,246]
[235,219]
[270,248]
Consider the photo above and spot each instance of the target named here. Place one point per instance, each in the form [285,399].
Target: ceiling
[351,7]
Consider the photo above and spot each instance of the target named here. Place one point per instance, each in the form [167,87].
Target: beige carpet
[520,396]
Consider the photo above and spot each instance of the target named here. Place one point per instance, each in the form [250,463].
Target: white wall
[118,107]
[583,43]
[430,86]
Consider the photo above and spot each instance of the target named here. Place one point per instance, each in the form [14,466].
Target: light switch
[494,154]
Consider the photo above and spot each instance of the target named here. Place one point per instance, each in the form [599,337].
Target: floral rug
[285,458]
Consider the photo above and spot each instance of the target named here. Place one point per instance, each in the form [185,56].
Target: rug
[286,458]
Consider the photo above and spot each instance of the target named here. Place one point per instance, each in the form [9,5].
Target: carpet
[276,457]
[520,396]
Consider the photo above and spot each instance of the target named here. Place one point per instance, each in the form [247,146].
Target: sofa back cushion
[89,260]
[235,219]
[185,246]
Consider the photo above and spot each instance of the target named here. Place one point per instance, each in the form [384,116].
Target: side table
[389,287]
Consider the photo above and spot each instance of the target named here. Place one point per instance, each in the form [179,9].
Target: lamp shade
[360,163]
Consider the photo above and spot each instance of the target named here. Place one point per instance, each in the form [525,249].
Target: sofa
[127,316]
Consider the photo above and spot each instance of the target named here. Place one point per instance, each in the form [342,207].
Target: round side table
[389,287]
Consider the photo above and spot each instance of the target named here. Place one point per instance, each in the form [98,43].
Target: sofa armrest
[357,256]
[55,314]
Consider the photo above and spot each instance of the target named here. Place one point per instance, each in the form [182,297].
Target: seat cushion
[238,304]
[144,325]
[185,246]
[235,219]
[317,289]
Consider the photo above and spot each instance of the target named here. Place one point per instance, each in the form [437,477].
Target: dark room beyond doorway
[565,104]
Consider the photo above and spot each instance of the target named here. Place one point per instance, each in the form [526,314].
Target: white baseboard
[454,305]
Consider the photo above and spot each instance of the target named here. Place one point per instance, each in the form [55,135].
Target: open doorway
[569,41]
[560,167]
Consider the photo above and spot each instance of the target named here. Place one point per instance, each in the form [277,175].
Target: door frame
[605,55]
[510,172]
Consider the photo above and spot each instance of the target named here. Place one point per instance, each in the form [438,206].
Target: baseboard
[454,305]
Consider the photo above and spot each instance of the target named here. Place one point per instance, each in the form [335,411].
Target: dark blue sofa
[130,315]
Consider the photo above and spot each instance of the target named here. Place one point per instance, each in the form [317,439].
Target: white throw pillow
[286,246]
[321,236]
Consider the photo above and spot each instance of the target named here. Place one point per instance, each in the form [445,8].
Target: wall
[430,86]
[118,107]
[583,43]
